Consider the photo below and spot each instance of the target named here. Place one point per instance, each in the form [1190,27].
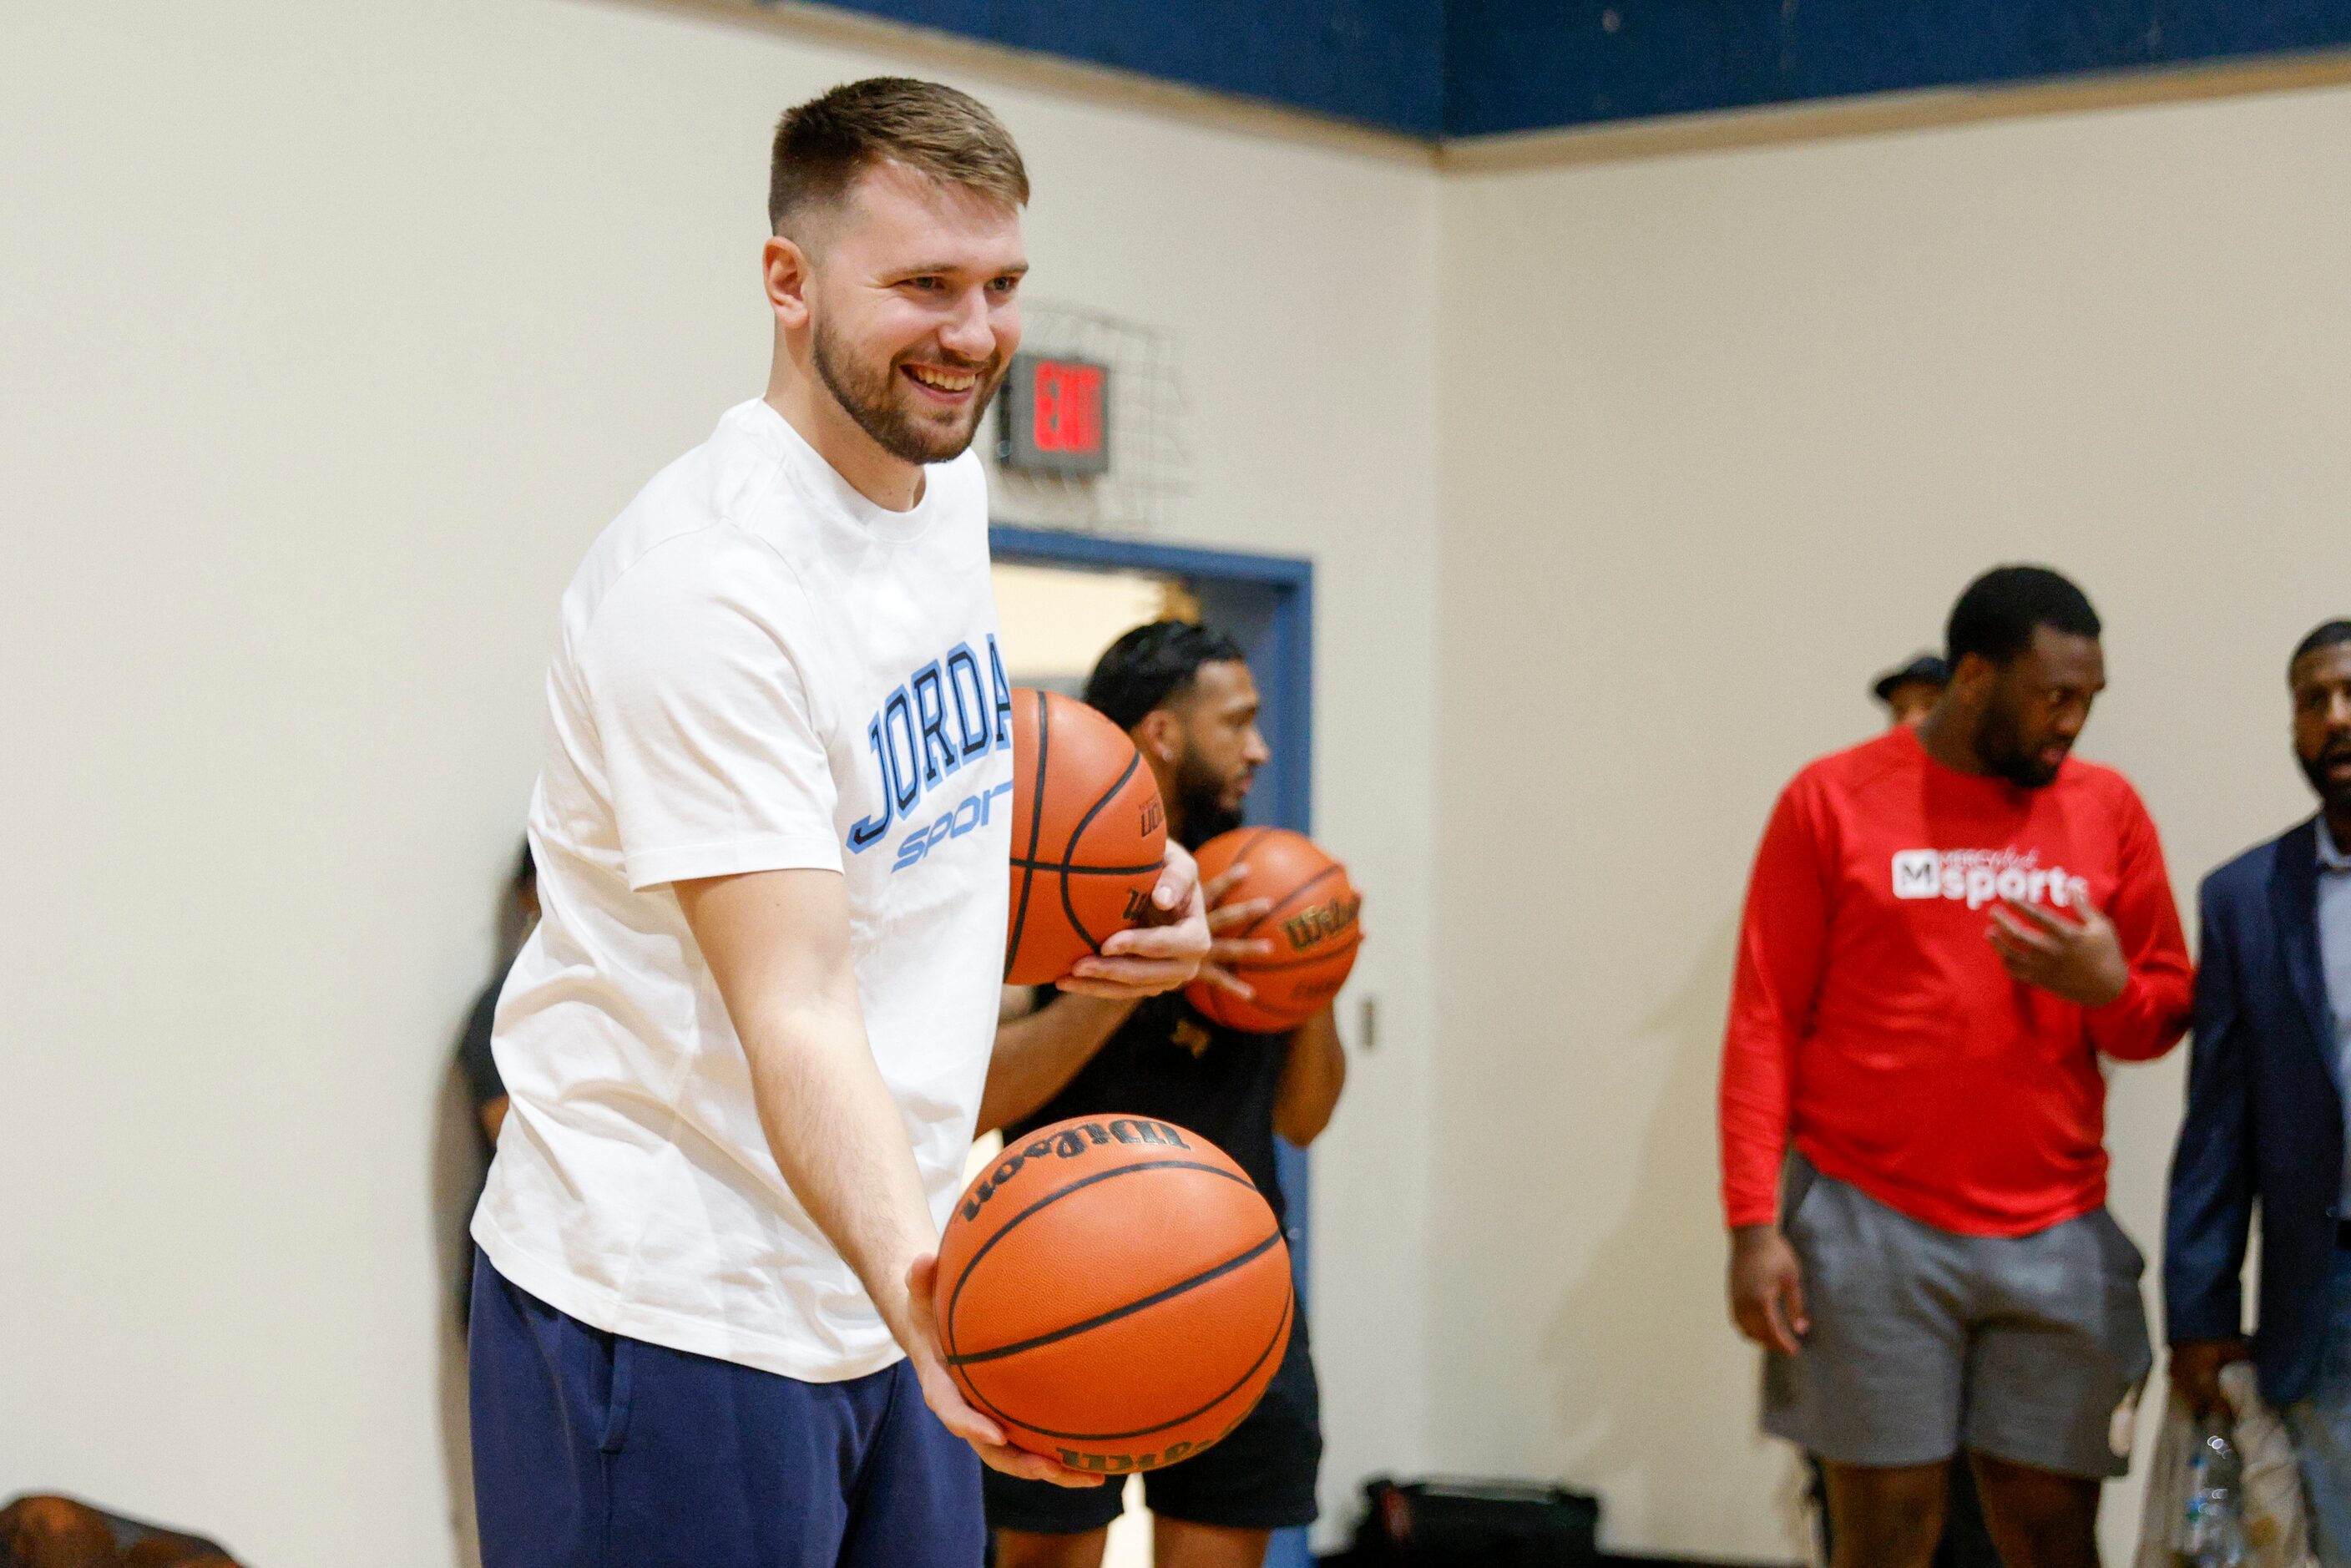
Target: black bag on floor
[1473,1524]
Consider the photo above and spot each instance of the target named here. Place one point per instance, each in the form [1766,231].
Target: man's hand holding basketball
[1226,949]
[1159,956]
[947,1403]
[1767,1289]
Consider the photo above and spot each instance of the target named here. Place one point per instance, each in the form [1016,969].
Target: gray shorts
[2027,1348]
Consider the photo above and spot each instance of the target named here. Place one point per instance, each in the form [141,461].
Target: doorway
[1062,598]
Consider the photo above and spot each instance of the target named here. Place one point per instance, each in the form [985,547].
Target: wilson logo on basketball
[1120,1463]
[1154,816]
[1068,1144]
[1322,922]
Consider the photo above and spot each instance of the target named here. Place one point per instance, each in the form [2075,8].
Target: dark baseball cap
[1926,668]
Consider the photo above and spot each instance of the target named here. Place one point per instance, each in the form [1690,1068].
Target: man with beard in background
[1185,697]
[1948,929]
[2266,1114]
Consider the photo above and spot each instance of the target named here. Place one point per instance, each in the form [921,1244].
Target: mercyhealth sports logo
[1979,876]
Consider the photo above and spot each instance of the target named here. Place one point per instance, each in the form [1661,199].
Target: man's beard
[2000,748]
[1200,800]
[2335,794]
[871,400]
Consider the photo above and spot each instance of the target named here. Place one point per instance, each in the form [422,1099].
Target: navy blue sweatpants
[594,1450]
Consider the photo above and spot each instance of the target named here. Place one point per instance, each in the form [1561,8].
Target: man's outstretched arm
[778,945]
[2208,1216]
[1312,1074]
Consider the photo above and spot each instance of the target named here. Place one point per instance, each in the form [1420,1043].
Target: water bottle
[2214,1536]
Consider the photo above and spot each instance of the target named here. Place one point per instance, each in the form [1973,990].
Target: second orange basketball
[1315,926]
[1088,835]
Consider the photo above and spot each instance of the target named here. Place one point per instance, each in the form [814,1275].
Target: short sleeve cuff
[732,857]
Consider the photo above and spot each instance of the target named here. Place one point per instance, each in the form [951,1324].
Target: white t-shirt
[758,669]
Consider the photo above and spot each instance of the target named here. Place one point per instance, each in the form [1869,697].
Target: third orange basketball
[1315,926]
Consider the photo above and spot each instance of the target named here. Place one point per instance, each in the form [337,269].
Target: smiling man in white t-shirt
[745,1048]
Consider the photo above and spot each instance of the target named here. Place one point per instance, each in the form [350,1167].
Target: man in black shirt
[1185,697]
[517,913]
[485,1091]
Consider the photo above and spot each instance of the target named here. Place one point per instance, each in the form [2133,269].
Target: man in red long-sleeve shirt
[1946,927]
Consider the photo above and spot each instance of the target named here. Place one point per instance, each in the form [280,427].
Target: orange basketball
[1088,833]
[1115,1293]
[1314,925]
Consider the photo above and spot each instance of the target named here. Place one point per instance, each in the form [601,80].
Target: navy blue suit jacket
[2264,1119]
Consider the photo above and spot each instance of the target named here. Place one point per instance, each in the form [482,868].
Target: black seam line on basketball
[1101,1319]
[1019,918]
[1068,870]
[1071,852]
[1280,1337]
[956,1296]
[1036,828]
[1294,894]
[1281,1332]
[1240,855]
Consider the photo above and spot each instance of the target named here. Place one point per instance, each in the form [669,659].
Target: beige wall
[335,332]
[1723,435]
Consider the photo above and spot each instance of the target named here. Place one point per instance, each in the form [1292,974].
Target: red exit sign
[1069,412]
[1054,415]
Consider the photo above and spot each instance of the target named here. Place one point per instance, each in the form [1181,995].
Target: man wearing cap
[1910,691]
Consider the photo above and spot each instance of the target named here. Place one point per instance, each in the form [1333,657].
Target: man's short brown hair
[825,144]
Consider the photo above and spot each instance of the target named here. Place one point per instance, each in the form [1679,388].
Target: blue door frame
[1266,604]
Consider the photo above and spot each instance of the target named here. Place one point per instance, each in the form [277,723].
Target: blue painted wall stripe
[1518,64]
[1379,62]
[1436,69]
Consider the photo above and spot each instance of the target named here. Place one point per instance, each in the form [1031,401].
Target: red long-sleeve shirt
[1872,1022]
